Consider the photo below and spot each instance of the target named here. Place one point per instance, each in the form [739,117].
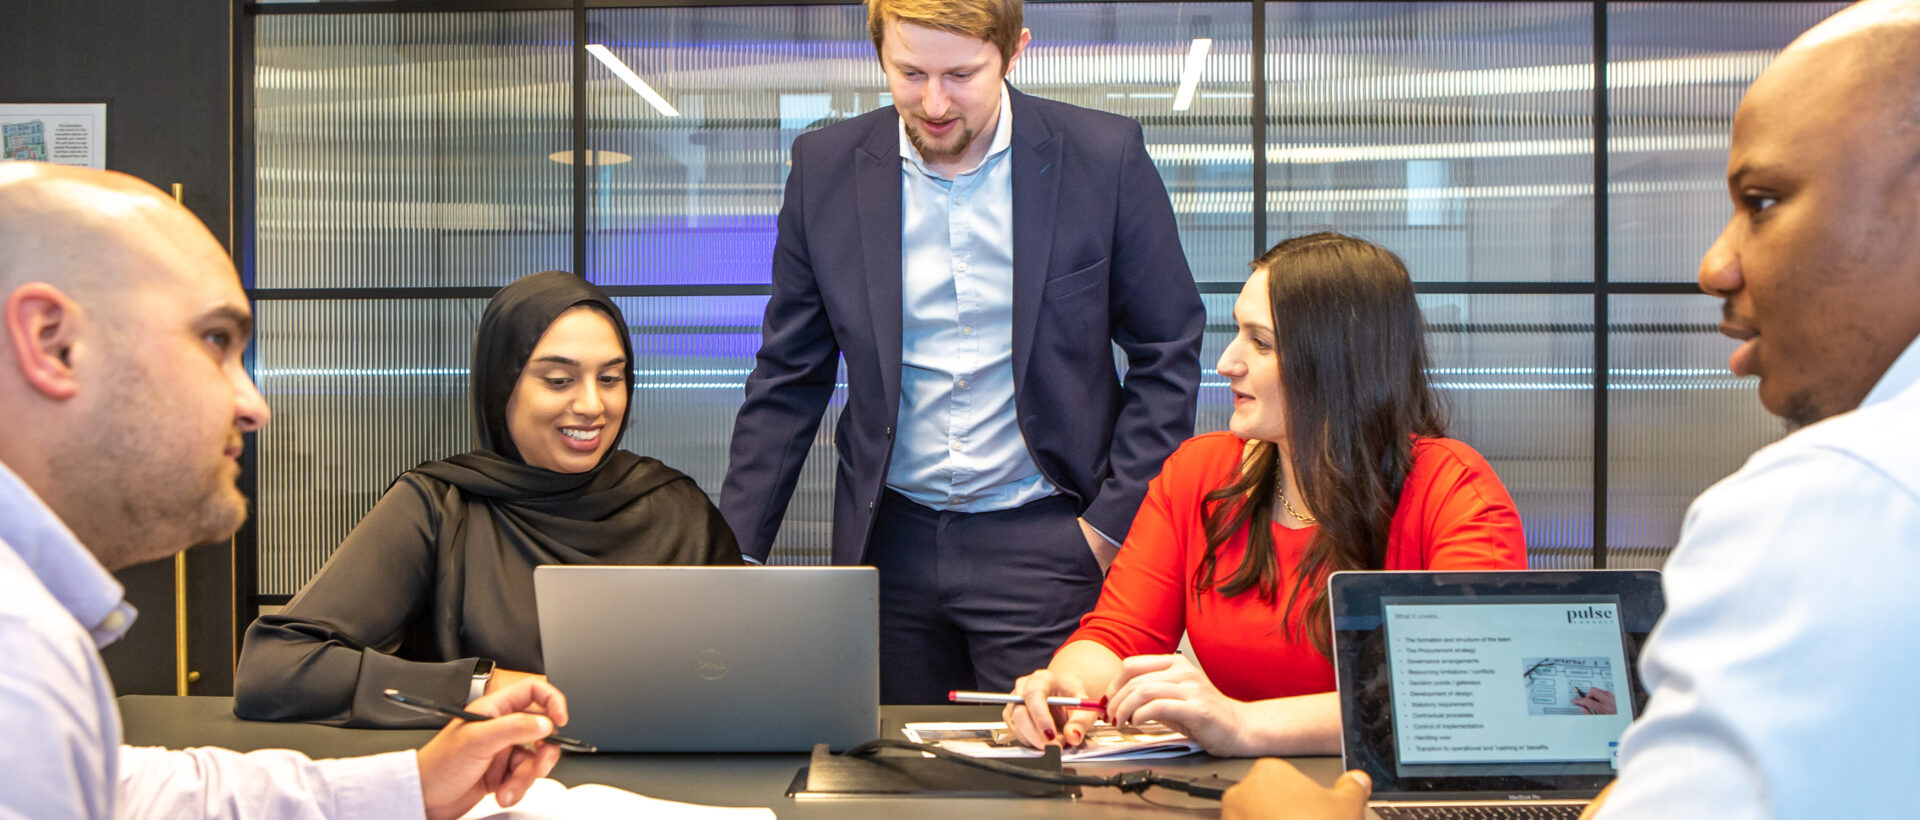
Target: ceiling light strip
[633,81]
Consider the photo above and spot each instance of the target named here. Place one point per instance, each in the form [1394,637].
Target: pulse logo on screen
[1590,615]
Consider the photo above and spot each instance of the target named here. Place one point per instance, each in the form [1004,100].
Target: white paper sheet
[549,800]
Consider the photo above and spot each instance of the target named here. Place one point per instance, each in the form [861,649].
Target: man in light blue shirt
[125,401]
[975,255]
[958,446]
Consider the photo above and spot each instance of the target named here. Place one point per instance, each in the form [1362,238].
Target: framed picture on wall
[62,133]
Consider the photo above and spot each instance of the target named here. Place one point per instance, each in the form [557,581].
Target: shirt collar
[1904,372]
[1002,136]
[64,566]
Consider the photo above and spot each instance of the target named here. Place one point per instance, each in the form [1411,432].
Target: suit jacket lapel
[1036,195]
[877,181]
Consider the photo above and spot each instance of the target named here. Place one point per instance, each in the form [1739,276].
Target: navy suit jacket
[1096,261]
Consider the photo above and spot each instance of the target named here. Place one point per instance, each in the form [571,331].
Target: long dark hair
[1353,363]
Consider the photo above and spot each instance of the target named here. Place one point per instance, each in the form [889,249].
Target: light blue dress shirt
[62,757]
[1782,674]
[958,445]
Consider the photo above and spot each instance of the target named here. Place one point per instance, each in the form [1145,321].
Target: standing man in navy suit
[974,253]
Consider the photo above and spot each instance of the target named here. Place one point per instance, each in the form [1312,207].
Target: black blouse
[436,578]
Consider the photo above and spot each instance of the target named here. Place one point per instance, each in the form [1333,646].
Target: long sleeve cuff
[383,786]
[441,682]
[220,784]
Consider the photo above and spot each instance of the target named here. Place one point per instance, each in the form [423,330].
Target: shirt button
[956,446]
[962,384]
[967,330]
[114,621]
[960,200]
[961,266]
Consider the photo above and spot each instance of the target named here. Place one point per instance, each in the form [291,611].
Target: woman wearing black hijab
[435,586]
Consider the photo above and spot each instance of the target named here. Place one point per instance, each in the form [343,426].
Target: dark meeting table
[713,779]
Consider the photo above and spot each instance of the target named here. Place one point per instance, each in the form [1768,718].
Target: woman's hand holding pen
[1171,690]
[468,760]
[1035,723]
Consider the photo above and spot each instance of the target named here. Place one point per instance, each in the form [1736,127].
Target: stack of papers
[1146,741]
[549,800]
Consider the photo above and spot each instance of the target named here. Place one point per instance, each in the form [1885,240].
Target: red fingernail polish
[1049,734]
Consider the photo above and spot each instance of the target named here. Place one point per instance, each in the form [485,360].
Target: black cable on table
[1133,782]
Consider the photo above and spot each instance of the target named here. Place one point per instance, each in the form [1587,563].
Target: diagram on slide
[1568,686]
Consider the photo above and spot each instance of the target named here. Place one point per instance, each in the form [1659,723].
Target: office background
[394,162]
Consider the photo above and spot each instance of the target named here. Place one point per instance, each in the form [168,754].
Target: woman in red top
[1335,461]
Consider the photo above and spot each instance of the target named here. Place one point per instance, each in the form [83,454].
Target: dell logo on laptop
[710,665]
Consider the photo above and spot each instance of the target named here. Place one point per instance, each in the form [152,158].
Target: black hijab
[501,516]
[515,319]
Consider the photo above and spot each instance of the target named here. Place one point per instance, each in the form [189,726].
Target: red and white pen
[959,696]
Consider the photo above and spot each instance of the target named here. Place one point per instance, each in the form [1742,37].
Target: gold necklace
[1282,495]
[1279,482]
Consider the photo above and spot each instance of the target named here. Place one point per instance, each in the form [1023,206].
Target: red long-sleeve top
[1454,515]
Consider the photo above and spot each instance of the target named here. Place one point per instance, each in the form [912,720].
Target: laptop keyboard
[1502,811]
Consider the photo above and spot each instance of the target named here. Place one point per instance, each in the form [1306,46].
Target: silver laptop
[1478,689]
[713,659]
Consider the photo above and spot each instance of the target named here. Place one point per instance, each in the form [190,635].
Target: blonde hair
[995,21]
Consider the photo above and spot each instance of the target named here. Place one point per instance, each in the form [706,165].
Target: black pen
[420,704]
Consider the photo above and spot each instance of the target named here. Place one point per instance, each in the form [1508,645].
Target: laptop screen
[1525,681]
[1490,681]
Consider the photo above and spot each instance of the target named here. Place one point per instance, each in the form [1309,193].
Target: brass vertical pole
[179,575]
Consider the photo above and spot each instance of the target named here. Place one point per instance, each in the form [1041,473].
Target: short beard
[960,145]
[1801,410]
[129,500]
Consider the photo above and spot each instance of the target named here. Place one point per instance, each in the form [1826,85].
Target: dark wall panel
[164,70]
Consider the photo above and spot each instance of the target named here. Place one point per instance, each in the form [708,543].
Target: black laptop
[1463,691]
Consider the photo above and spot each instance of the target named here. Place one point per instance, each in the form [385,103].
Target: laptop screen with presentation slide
[1481,687]
[713,659]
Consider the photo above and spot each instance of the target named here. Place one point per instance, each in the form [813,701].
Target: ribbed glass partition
[392,151]
[411,150]
[425,150]
[1182,71]
[1460,135]
[1515,370]
[361,390]
[1680,421]
[1675,74]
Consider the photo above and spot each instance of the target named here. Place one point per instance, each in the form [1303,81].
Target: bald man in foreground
[124,397]
[1781,678]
